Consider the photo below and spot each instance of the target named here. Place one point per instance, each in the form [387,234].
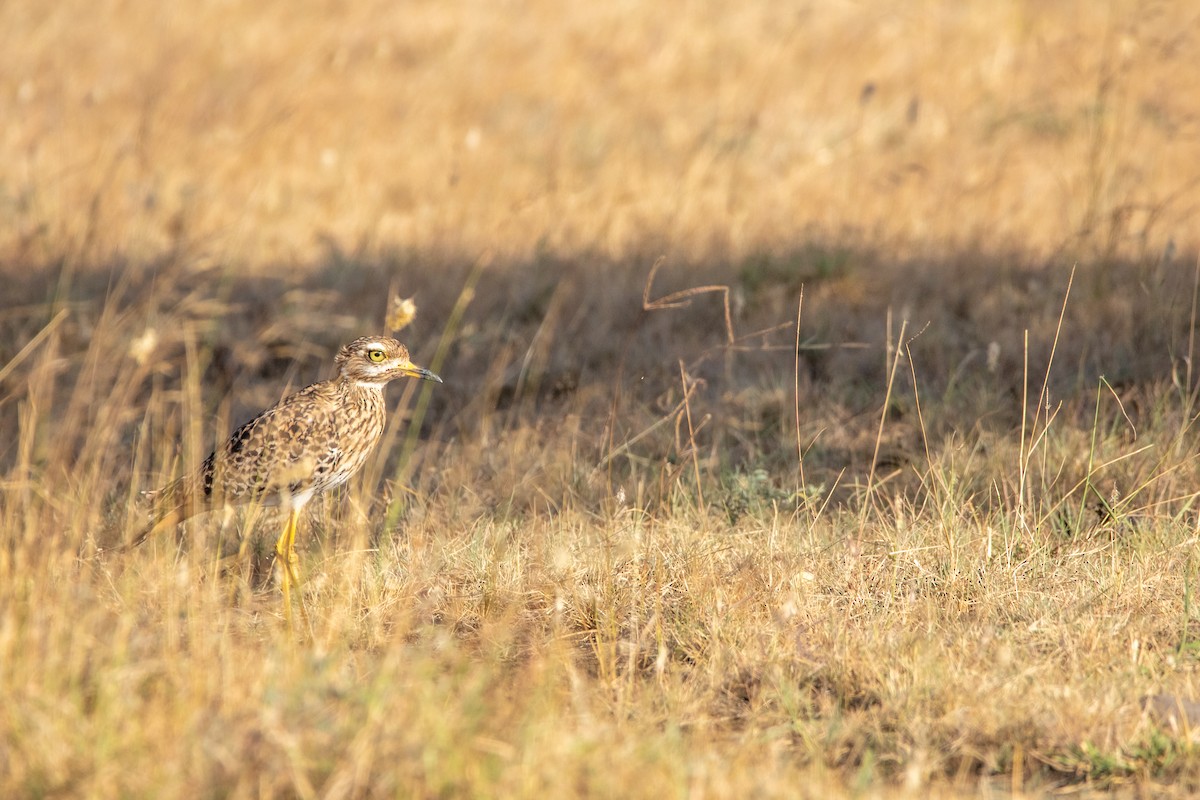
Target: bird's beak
[411,370]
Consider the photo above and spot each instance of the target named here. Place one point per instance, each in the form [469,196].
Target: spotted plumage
[305,444]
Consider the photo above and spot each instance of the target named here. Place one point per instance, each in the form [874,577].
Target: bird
[304,445]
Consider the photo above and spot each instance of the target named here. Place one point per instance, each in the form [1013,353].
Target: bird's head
[375,360]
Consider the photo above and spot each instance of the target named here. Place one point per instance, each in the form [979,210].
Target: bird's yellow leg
[294,569]
[285,549]
[284,554]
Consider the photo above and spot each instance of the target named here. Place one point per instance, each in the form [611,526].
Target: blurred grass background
[268,133]
[598,566]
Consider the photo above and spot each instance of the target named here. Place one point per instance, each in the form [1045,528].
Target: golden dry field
[818,418]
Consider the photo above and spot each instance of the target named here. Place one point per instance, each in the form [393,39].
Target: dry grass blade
[683,298]
[896,353]
[796,398]
[33,343]
[691,448]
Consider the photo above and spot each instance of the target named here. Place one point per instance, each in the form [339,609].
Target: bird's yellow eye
[375,355]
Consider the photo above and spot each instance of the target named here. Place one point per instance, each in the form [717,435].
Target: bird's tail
[169,506]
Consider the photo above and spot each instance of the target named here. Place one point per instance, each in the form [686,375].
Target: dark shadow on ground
[566,343]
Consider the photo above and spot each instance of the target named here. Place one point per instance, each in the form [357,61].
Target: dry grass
[592,563]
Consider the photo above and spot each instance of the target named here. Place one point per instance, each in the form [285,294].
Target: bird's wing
[278,450]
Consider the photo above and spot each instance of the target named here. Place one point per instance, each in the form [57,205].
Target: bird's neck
[348,382]
[362,393]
